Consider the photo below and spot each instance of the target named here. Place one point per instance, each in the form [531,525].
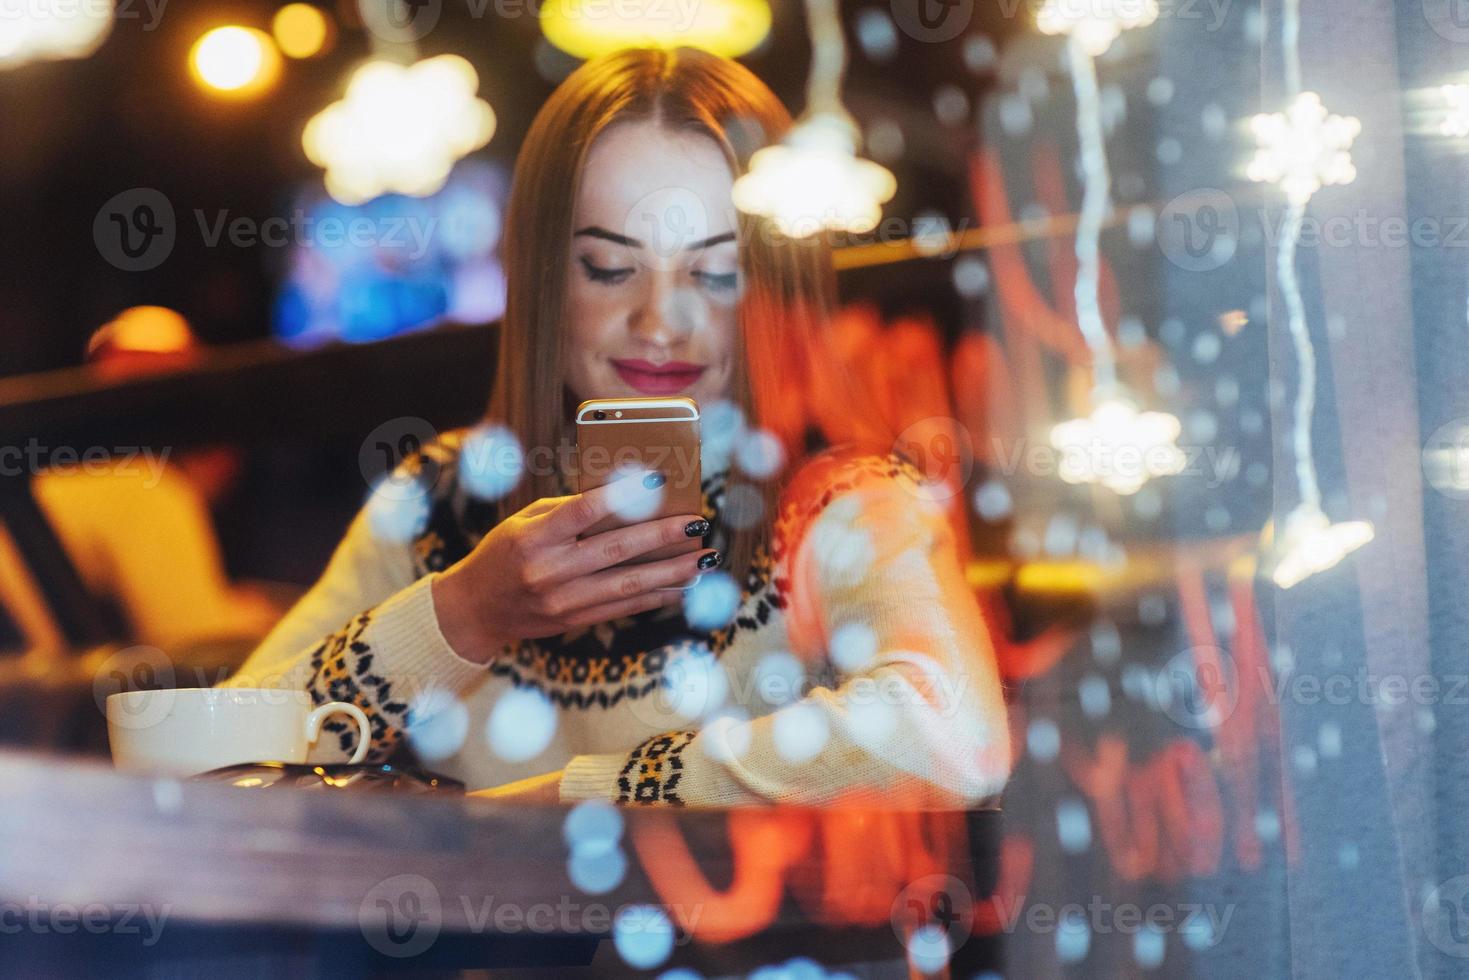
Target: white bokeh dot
[971,276]
[992,501]
[928,948]
[1043,739]
[760,454]
[853,646]
[643,936]
[711,602]
[521,725]
[779,678]
[490,462]
[800,732]
[438,724]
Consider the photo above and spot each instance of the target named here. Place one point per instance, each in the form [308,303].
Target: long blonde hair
[788,285]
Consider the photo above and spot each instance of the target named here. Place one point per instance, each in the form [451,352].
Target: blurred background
[178,185]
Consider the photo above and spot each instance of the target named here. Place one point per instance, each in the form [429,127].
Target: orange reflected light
[235,61]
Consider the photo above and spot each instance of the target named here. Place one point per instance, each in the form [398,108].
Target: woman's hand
[545,788]
[531,577]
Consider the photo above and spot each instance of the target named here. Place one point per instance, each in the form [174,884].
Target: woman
[855,667]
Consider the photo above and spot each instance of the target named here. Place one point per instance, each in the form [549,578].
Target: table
[106,872]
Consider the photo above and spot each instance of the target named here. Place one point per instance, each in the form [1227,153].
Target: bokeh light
[49,30]
[301,30]
[235,61]
[491,462]
[521,725]
[399,129]
[711,602]
[643,936]
[727,27]
[814,180]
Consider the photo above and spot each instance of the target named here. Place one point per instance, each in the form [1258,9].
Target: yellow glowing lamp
[238,62]
[301,30]
[1312,543]
[1118,446]
[399,129]
[813,180]
[725,27]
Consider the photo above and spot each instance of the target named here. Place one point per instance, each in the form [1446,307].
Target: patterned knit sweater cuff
[592,777]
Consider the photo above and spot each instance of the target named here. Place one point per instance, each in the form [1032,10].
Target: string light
[725,27]
[1095,24]
[1302,150]
[50,30]
[1312,543]
[1116,446]
[814,180]
[399,129]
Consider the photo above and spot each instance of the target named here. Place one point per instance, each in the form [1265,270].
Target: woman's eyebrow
[595,231]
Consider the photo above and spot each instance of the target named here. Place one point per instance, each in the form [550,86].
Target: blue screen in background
[394,264]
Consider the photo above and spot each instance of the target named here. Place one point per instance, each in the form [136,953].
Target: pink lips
[658,379]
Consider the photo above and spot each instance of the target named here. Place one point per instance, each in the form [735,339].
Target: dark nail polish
[708,561]
[654,480]
[696,529]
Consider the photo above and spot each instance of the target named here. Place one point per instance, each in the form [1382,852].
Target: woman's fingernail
[654,480]
[696,529]
[708,561]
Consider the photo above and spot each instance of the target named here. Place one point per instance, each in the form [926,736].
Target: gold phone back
[669,446]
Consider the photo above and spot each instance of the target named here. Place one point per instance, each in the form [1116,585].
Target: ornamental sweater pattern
[855,668]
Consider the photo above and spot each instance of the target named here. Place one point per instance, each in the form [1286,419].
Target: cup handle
[364,727]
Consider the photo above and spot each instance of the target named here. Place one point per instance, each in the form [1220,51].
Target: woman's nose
[667,314]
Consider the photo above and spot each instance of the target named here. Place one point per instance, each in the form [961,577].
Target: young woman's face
[653,280]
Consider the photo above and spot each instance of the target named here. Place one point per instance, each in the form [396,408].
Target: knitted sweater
[851,666]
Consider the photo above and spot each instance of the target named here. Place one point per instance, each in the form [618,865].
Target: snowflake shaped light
[400,129]
[1456,116]
[1312,543]
[1304,148]
[1095,24]
[1118,446]
[814,180]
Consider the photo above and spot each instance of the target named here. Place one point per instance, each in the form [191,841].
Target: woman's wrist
[462,621]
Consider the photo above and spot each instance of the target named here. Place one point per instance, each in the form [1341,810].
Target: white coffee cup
[192,730]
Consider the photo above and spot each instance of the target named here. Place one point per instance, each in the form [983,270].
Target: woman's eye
[717,280]
[598,274]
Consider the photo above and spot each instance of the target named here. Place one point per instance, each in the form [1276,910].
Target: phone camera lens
[599,415]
